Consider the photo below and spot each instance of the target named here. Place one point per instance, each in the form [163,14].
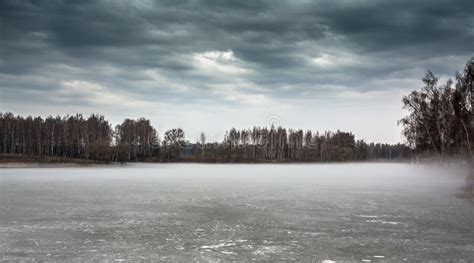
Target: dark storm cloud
[277,41]
[387,25]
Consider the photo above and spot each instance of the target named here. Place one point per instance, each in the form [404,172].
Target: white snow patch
[368,216]
[219,245]
[383,222]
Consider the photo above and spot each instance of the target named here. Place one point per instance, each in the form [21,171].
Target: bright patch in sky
[218,62]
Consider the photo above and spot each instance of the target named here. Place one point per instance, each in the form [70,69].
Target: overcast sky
[210,65]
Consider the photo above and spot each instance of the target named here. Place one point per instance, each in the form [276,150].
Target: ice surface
[183,212]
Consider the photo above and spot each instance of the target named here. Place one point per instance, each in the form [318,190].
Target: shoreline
[13,165]
[27,161]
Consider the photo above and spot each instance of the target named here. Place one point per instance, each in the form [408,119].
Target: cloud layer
[208,65]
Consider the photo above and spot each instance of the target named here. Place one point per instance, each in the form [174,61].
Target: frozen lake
[376,212]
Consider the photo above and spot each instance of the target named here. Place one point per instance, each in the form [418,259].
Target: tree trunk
[471,129]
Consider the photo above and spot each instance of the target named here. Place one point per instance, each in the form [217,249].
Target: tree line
[440,121]
[93,138]
[280,144]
